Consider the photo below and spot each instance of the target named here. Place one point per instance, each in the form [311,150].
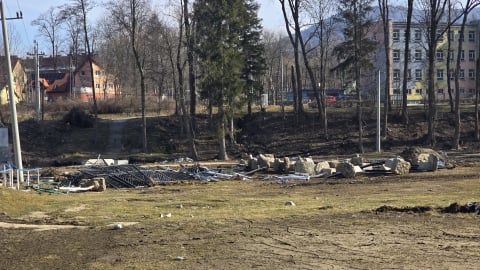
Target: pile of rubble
[100,177]
[304,168]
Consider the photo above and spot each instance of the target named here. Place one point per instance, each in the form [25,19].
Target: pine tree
[227,34]
[255,63]
[355,52]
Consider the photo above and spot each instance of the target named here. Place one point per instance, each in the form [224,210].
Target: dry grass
[243,199]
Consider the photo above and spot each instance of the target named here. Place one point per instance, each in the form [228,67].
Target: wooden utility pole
[37,80]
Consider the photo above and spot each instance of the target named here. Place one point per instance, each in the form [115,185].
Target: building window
[451,74]
[409,91]
[451,55]
[82,73]
[97,72]
[419,91]
[396,74]
[471,55]
[396,35]
[440,91]
[440,55]
[471,35]
[440,36]
[97,86]
[471,74]
[418,55]
[461,74]
[462,55]
[396,91]
[409,74]
[451,35]
[439,74]
[110,86]
[418,35]
[418,74]
[396,55]
[460,36]
[471,91]
[462,91]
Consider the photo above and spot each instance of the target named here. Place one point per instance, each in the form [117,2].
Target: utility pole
[11,93]
[37,79]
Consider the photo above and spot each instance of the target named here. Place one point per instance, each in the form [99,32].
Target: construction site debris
[266,161]
[426,159]
[470,207]
[289,203]
[398,165]
[348,170]
[305,165]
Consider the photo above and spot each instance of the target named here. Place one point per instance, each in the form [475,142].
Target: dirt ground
[337,232]
[373,238]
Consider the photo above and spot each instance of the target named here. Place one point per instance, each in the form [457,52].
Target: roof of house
[60,85]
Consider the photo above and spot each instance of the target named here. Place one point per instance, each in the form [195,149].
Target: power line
[23,22]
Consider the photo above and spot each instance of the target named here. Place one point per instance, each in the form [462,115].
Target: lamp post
[378,112]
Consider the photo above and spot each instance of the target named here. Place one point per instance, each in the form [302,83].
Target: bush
[79,118]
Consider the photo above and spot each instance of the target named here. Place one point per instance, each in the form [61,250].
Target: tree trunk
[222,149]
[458,120]
[405,64]
[432,49]
[477,79]
[90,61]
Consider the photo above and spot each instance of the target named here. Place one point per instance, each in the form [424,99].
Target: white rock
[289,203]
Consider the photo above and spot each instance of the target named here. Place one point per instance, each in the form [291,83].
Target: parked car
[328,100]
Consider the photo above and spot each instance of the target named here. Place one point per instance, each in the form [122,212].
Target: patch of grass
[236,200]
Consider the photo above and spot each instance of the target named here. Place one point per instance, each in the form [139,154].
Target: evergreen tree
[255,63]
[229,51]
[355,52]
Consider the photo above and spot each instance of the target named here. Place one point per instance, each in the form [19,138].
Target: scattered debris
[426,159]
[411,159]
[470,207]
[414,209]
[117,226]
[289,203]
[286,178]
[305,165]
[104,174]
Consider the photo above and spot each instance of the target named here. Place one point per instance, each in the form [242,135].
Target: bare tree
[433,14]
[80,9]
[74,29]
[321,12]
[130,16]
[291,15]
[465,10]
[405,63]
[477,94]
[434,11]
[49,26]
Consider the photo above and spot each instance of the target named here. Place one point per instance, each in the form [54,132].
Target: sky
[270,13]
